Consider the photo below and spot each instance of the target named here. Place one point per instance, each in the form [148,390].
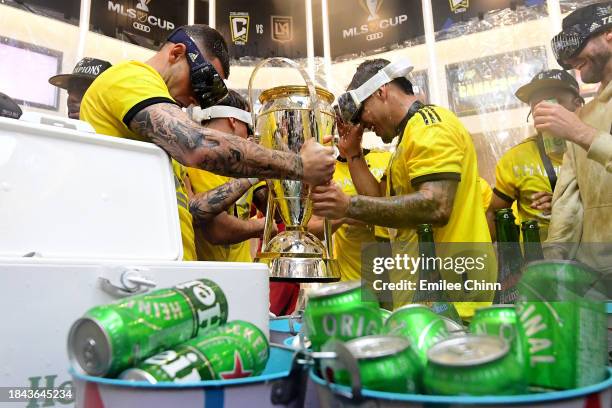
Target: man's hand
[349,143]
[318,162]
[330,201]
[542,201]
[562,123]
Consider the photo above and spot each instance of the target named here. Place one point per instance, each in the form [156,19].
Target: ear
[383,93]
[232,123]
[608,35]
[176,52]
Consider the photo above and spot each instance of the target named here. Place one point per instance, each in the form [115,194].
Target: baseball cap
[8,107]
[87,68]
[578,27]
[553,78]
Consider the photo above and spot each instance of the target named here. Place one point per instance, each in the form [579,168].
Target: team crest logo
[459,6]
[282,28]
[372,7]
[239,25]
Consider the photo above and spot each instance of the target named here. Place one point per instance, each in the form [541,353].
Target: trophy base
[298,256]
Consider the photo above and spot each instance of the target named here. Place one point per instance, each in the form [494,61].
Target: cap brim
[63,80]
[525,91]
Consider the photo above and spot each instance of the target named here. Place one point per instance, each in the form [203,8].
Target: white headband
[397,69]
[220,111]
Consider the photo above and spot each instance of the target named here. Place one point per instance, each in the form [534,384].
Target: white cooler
[85,220]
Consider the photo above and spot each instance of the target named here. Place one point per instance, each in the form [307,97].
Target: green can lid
[468,350]
[334,289]
[369,347]
[89,347]
[137,374]
[412,306]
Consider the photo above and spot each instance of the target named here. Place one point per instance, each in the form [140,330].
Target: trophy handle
[270,209]
[312,92]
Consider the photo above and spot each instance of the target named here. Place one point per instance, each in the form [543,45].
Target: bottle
[509,257]
[428,272]
[553,146]
[532,247]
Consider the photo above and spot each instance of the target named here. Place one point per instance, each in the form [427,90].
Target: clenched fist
[318,162]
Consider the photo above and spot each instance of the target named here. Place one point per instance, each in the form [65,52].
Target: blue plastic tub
[96,392]
[282,328]
[598,395]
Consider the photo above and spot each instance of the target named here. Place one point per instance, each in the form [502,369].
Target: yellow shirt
[348,239]
[519,174]
[486,191]
[112,101]
[201,181]
[436,146]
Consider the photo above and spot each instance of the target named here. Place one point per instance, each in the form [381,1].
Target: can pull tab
[131,282]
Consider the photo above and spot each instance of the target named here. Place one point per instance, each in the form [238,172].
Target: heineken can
[446,309]
[472,365]
[341,311]
[384,314]
[236,350]
[111,338]
[562,325]
[420,325]
[453,328]
[386,363]
[500,320]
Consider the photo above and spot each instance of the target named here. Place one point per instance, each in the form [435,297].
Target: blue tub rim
[264,378]
[480,400]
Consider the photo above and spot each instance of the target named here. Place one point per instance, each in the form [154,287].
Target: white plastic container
[96,218]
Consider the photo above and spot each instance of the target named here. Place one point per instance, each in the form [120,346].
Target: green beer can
[472,365]
[420,325]
[235,350]
[111,338]
[341,311]
[500,320]
[385,363]
[562,324]
[384,314]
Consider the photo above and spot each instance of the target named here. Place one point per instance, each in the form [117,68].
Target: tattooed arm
[205,206]
[225,229]
[170,128]
[431,204]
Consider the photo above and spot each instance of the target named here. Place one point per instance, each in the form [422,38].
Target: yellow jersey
[486,191]
[348,239]
[110,104]
[519,174]
[201,181]
[434,145]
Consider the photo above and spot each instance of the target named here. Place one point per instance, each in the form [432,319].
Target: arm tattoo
[431,204]
[204,206]
[192,145]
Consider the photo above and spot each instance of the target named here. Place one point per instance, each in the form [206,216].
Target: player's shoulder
[524,146]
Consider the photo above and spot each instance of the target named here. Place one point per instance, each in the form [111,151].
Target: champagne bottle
[428,272]
[531,241]
[509,257]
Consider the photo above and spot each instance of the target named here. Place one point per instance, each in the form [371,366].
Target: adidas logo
[193,56]
[594,26]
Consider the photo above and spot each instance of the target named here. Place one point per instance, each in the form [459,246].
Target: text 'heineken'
[111,338]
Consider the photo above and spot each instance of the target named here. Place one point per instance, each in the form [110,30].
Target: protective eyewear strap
[224,112]
[194,55]
[394,70]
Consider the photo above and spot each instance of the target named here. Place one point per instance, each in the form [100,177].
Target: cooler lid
[71,194]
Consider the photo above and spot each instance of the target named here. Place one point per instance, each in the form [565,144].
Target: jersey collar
[414,108]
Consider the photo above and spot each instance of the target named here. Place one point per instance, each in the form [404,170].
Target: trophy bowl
[287,118]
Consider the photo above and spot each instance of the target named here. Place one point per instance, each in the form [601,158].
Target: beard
[599,60]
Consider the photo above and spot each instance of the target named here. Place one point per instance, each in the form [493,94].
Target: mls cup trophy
[289,116]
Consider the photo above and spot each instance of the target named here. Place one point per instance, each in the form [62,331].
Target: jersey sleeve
[135,89]
[434,152]
[505,183]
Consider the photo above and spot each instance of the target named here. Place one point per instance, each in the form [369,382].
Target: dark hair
[211,43]
[235,100]
[369,68]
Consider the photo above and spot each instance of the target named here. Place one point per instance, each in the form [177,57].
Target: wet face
[76,89]
[592,60]
[375,116]
[568,99]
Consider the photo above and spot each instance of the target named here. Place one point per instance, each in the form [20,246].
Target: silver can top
[137,374]
[376,346]
[452,326]
[334,289]
[467,350]
[89,347]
